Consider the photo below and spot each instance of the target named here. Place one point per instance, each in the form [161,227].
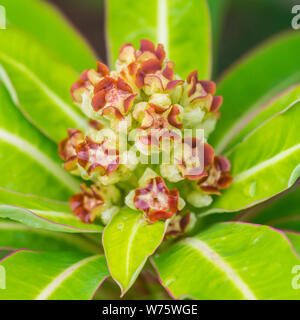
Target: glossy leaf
[39,84]
[15,236]
[252,82]
[277,104]
[230,261]
[128,241]
[52,276]
[183,27]
[264,164]
[295,240]
[32,176]
[48,25]
[217,12]
[4,253]
[42,213]
[29,162]
[283,213]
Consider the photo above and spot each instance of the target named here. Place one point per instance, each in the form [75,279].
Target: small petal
[127,53]
[172,117]
[216,103]
[102,69]
[147,45]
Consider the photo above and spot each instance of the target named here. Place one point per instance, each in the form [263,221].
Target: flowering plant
[190,186]
[144,100]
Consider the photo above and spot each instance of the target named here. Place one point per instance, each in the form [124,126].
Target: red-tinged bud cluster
[156,201]
[157,117]
[202,92]
[88,158]
[88,79]
[87,204]
[68,148]
[157,123]
[179,224]
[94,156]
[217,176]
[197,156]
[113,96]
[147,102]
[147,68]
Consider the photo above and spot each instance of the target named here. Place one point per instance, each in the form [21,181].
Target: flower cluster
[142,141]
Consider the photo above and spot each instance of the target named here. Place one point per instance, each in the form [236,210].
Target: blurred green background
[242,23]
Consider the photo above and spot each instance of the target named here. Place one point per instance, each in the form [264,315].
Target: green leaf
[32,176]
[17,236]
[295,240]
[29,162]
[183,27]
[217,12]
[252,82]
[4,253]
[264,164]
[49,26]
[230,261]
[42,213]
[52,276]
[128,241]
[39,84]
[283,213]
[277,104]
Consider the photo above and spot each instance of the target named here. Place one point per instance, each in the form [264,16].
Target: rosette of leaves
[240,245]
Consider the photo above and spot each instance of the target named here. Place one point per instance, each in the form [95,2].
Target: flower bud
[94,202]
[192,158]
[218,176]
[200,105]
[180,224]
[154,198]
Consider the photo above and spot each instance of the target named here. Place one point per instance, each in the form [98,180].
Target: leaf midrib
[134,231]
[162,24]
[67,109]
[252,111]
[211,255]
[31,150]
[47,218]
[278,157]
[58,280]
[80,243]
